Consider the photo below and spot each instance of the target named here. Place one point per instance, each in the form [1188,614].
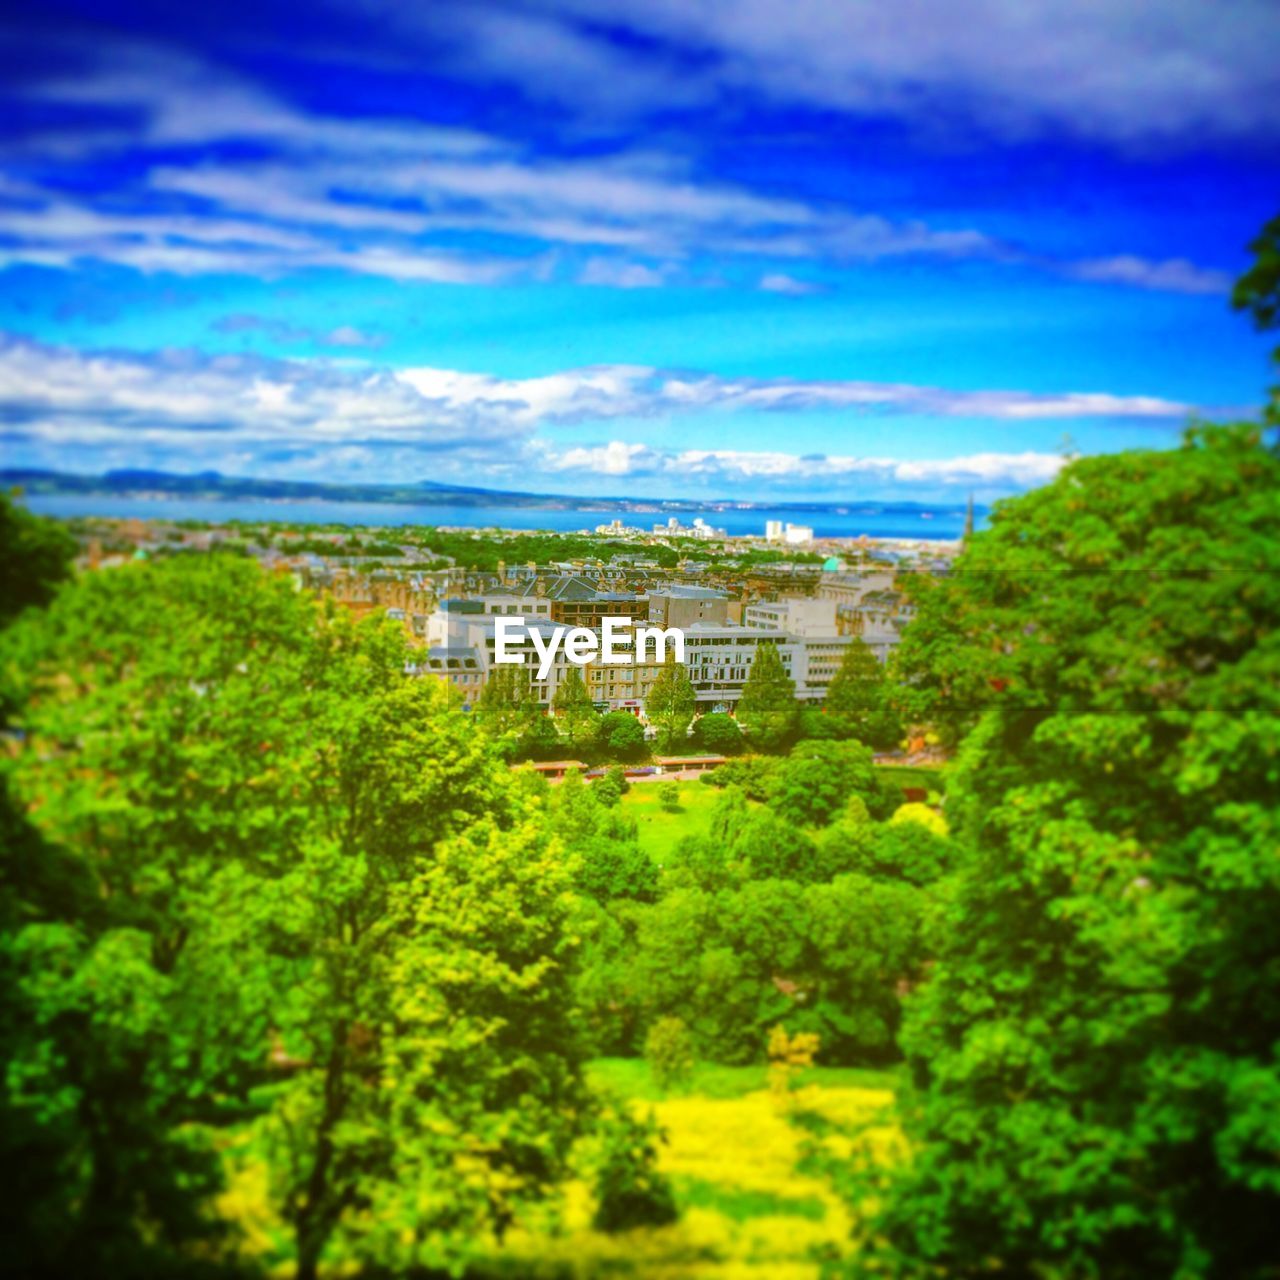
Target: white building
[792,534]
[798,617]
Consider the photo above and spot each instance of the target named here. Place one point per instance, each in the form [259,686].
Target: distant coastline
[210,485]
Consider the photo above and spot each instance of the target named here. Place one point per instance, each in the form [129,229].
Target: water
[873,520]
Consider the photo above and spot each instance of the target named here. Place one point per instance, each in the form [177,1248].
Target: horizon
[766,254]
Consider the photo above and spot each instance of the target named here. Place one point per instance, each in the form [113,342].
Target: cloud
[621,275]
[283,332]
[1174,275]
[777,282]
[64,394]
[731,468]
[1124,73]
[188,411]
[220,176]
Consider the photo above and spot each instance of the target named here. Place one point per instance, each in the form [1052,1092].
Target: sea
[871,520]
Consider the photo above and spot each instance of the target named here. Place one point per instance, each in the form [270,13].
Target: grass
[631,1078]
[660,830]
[906,775]
[731,1153]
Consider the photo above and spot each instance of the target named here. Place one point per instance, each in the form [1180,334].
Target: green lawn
[906,775]
[661,831]
[631,1078]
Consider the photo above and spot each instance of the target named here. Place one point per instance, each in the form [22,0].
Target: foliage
[818,778]
[754,775]
[287,876]
[1095,1052]
[788,1056]
[35,555]
[670,704]
[669,796]
[669,1050]
[578,717]
[506,709]
[717,734]
[609,789]
[630,1190]
[767,709]
[922,815]
[540,739]
[623,735]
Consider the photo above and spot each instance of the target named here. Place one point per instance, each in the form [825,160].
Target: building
[797,617]
[792,534]
[679,605]
[460,666]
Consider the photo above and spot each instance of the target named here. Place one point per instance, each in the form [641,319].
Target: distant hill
[210,484]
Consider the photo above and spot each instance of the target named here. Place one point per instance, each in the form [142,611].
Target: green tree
[630,1190]
[768,709]
[1258,292]
[540,740]
[289,864]
[622,735]
[578,717]
[505,708]
[857,688]
[35,556]
[817,779]
[1095,1052]
[671,703]
[718,734]
[669,1050]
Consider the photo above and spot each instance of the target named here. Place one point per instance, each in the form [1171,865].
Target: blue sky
[797,249]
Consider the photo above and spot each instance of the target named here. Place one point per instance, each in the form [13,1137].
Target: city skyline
[758,252]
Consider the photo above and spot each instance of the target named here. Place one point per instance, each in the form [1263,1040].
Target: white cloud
[1123,72]
[735,467]
[381,196]
[1174,275]
[316,417]
[620,275]
[777,282]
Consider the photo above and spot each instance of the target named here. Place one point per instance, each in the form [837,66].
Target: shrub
[669,1050]
[718,734]
[630,1192]
[669,796]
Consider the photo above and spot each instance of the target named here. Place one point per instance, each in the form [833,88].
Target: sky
[752,249]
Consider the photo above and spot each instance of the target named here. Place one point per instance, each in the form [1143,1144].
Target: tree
[767,709]
[506,708]
[622,735]
[288,864]
[718,734]
[1258,292]
[630,1190]
[858,698]
[1095,1052]
[671,702]
[857,688]
[817,779]
[578,717]
[669,1050]
[35,555]
[540,740]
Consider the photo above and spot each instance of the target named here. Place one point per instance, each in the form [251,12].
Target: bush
[622,735]
[610,789]
[718,734]
[630,1192]
[669,796]
[669,1050]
